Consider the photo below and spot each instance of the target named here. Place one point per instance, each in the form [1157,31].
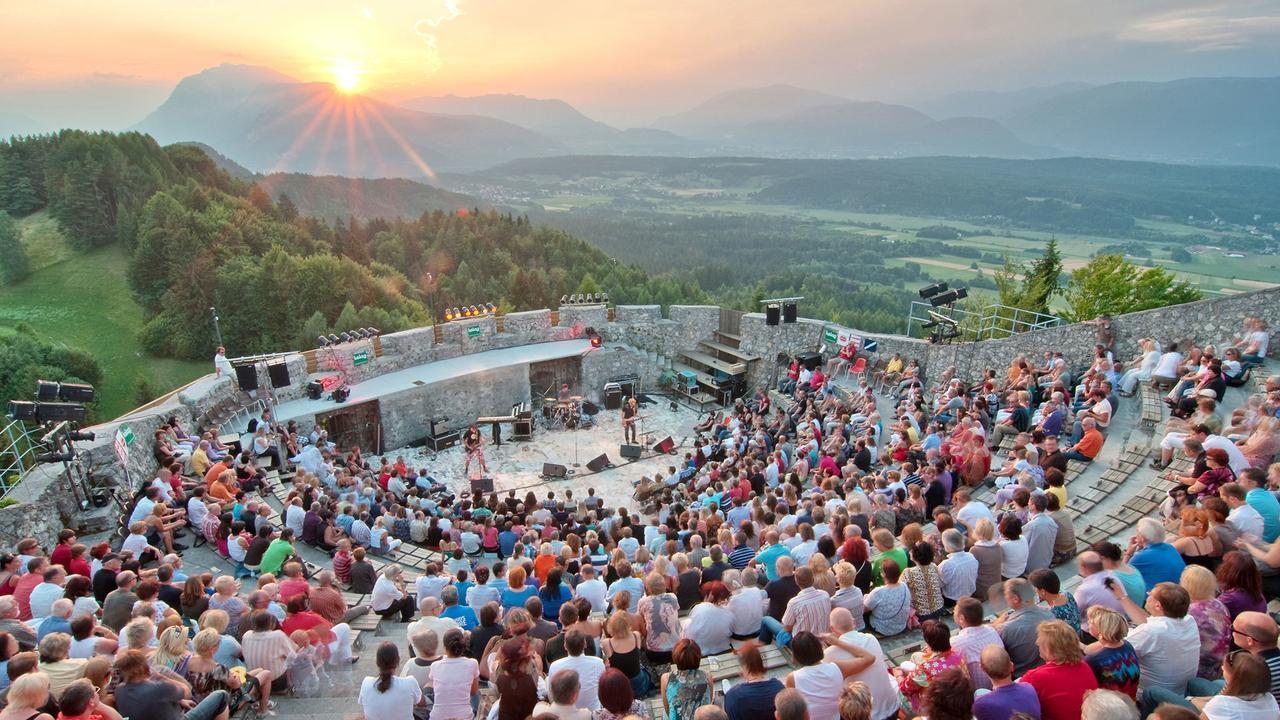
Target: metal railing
[982,323]
[19,445]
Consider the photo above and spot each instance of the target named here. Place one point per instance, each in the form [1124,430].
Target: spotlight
[374,331]
[949,297]
[448,314]
[346,337]
[322,341]
[581,298]
[605,297]
[493,309]
[594,337]
[564,299]
[457,313]
[55,457]
[46,391]
[928,292]
[81,436]
[475,311]
[22,410]
[333,339]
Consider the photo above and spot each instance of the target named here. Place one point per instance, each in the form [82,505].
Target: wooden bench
[733,352]
[1152,406]
[701,358]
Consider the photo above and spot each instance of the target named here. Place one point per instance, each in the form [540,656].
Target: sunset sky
[623,61]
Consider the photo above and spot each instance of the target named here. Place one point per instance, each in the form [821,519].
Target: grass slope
[84,301]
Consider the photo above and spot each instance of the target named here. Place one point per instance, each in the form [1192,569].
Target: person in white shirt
[197,511]
[43,595]
[562,698]
[221,365]
[295,516]
[388,596]
[1163,633]
[430,620]
[967,512]
[431,584]
[628,544]
[388,696]
[1167,367]
[592,589]
[884,692]
[145,507]
[1243,517]
[588,668]
[747,603]
[959,570]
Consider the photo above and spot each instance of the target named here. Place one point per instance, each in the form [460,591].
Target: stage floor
[518,465]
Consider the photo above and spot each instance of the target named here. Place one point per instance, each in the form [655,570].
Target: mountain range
[270,122]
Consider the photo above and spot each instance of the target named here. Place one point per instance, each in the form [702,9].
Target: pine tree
[1042,280]
[286,209]
[260,199]
[314,327]
[348,319]
[14,263]
[22,198]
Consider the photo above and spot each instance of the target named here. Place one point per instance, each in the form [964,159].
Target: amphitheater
[479,367]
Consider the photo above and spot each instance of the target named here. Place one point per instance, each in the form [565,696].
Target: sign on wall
[360,358]
[473,331]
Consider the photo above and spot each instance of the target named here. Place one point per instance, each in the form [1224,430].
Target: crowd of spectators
[791,543]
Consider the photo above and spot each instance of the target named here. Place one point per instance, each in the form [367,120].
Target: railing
[19,445]
[991,321]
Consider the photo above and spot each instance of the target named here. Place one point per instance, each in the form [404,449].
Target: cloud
[1206,29]
[428,27]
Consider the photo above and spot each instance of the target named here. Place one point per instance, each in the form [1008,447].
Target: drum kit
[565,414]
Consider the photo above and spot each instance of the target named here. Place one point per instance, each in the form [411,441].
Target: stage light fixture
[564,299]
[49,391]
[333,339]
[448,315]
[22,410]
[475,311]
[346,337]
[375,331]
[605,296]
[322,341]
[594,337]
[930,291]
[493,309]
[46,391]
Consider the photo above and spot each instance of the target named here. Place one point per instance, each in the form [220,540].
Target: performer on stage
[565,394]
[629,418]
[473,443]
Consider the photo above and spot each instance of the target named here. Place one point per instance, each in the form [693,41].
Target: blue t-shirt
[463,615]
[752,700]
[515,598]
[1002,703]
[769,558]
[1158,563]
[1269,508]
[507,542]
[551,605]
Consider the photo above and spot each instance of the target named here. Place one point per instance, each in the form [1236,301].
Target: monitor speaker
[552,470]
[341,394]
[599,463]
[247,377]
[630,452]
[789,312]
[279,375]
[665,446]
[315,390]
[771,314]
[481,485]
[590,408]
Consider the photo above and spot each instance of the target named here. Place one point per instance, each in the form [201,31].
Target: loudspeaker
[771,314]
[590,408]
[247,377]
[341,394]
[481,485]
[810,360]
[22,410]
[57,412]
[665,446]
[444,439]
[76,392]
[630,452]
[553,470]
[789,313]
[599,463]
[315,390]
[279,374]
[612,396]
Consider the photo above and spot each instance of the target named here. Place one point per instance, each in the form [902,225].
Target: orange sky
[637,58]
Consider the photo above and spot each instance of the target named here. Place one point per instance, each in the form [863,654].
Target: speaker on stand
[247,377]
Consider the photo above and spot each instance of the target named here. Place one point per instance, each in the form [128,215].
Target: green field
[84,301]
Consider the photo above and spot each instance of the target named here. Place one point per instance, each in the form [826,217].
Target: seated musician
[565,394]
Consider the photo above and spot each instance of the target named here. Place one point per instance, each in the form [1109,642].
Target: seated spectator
[710,623]
[1017,625]
[686,687]
[819,682]
[889,606]
[1113,660]
[1246,693]
[938,656]
[1149,554]
[1063,680]
[752,697]
[1163,636]
[1007,697]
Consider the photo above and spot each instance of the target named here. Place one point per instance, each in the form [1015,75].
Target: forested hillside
[199,238]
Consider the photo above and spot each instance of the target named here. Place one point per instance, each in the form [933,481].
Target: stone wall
[490,392]
[768,341]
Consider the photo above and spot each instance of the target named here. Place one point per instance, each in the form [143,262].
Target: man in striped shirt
[808,611]
[742,553]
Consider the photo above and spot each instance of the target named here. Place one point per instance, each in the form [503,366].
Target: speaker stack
[481,485]
[772,313]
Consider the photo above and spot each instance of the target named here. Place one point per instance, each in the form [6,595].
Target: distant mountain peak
[743,106]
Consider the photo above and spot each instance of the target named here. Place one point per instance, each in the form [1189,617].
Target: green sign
[473,331]
[360,358]
[829,335]
[126,434]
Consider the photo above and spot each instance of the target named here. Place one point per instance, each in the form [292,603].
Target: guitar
[626,422]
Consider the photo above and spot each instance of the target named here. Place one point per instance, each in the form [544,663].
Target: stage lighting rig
[949,297]
[928,292]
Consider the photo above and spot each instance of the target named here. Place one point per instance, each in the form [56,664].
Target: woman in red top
[61,554]
[1061,683]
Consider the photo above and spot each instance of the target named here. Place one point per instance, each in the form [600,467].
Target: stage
[518,465]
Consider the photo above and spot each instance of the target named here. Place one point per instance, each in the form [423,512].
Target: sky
[623,61]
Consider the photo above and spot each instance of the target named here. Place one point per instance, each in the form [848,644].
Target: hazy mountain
[718,117]
[14,123]
[270,122]
[224,163]
[558,120]
[878,129]
[993,104]
[1218,120]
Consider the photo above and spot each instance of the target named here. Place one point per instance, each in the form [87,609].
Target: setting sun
[348,75]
